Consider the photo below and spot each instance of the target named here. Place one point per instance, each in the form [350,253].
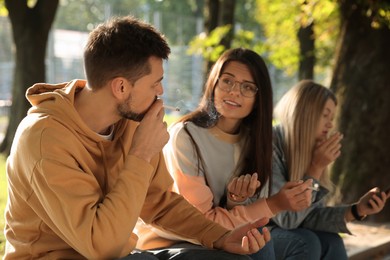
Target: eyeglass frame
[234,84]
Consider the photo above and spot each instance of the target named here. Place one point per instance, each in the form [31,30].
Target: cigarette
[315,187]
[171,108]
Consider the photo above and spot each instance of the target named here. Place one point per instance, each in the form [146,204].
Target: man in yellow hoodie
[86,162]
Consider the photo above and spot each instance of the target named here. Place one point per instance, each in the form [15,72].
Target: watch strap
[355,213]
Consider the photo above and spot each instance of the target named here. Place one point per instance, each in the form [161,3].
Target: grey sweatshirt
[318,216]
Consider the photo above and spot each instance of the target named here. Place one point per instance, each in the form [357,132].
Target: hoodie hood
[57,100]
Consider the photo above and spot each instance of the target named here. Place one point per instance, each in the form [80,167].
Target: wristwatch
[355,213]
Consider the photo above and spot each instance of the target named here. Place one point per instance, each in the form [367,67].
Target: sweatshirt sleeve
[98,225]
[171,213]
[328,219]
[183,166]
[69,202]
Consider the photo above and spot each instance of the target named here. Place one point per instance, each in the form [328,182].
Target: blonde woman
[304,146]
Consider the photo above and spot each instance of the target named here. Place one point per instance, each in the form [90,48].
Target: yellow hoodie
[73,194]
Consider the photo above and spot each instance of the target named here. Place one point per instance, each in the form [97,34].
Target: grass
[169,118]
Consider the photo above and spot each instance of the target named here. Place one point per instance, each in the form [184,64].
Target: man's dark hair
[121,47]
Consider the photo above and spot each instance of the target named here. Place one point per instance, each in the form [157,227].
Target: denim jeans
[266,253]
[188,251]
[184,251]
[301,244]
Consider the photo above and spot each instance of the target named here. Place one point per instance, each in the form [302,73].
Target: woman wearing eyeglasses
[226,144]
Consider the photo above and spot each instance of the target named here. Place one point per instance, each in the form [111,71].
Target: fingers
[253,185]
[292,184]
[300,187]
[329,148]
[266,234]
[333,144]
[301,201]
[334,139]
[255,240]
[244,186]
[299,196]
[304,200]
[334,149]
[245,243]
[378,200]
[156,109]
[151,135]
[232,185]
[241,185]
[373,201]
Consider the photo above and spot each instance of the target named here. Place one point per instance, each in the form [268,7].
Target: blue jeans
[301,244]
[188,251]
[184,251]
[266,253]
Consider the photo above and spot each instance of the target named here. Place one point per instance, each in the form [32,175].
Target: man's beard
[125,111]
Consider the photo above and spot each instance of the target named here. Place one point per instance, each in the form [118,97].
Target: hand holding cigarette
[315,187]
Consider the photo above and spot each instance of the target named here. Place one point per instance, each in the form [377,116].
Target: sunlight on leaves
[281,21]
[209,46]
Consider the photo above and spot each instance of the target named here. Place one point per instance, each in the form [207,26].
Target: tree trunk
[219,13]
[306,50]
[30,28]
[361,80]
[211,22]
[211,15]
[227,17]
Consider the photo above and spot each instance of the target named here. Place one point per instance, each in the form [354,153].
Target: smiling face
[232,105]
[143,93]
[325,123]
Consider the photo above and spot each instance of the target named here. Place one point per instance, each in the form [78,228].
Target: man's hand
[243,187]
[293,196]
[245,239]
[151,135]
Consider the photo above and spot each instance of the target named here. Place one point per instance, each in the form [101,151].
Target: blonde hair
[299,112]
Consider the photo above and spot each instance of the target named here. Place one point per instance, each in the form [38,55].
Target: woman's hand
[372,202]
[294,196]
[245,239]
[325,152]
[243,187]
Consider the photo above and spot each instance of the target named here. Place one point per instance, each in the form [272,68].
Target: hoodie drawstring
[105,188]
[123,149]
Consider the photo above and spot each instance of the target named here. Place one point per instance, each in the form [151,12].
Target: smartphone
[387,191]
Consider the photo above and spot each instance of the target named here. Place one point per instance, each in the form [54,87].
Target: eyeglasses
[227,84]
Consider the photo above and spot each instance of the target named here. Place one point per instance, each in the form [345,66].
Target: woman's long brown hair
[257,126]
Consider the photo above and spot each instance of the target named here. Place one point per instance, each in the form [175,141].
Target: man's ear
[119,88]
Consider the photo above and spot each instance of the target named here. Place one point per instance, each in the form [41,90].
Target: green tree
[30,28]
[361,80]
[221,20]
[220,13]
[300,34]
[80,15]
[174,18]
